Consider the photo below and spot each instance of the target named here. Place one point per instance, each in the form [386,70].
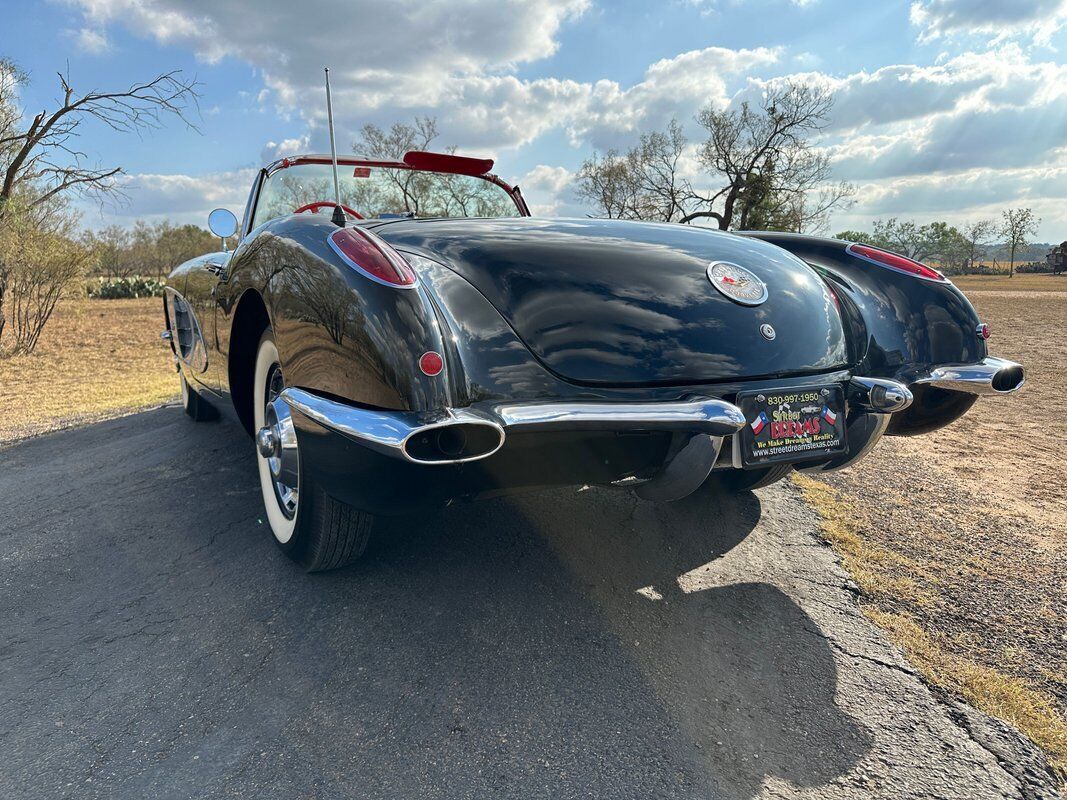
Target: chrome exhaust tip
[1009,378]
[450,436]
[988,377]
[453,442]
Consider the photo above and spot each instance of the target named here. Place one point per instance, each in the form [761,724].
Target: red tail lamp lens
[983,331]
[431,363]
[898,262]
[369,254]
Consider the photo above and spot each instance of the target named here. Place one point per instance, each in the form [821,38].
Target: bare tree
[765,158]
[643,183]
[40,163]
[1016,226]
[112,248]
[42,160]
[376,143]
[654,164]
[806,211]
[977,234]
[605,181]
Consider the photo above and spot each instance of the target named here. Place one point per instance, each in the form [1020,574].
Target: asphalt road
[566,644]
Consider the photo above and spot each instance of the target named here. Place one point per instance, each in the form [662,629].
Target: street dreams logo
[794,428]
[781,425]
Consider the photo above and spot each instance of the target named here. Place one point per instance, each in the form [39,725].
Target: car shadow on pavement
[743,669]
[562,644]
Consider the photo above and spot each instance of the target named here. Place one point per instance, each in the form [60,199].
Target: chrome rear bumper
[699,415]
[453,436]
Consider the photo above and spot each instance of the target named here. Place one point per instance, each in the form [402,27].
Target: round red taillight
[431,363]
[983,331]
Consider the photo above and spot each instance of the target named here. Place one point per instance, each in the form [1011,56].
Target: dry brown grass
[97,358]
[958,539]
[890,580]
[879,571]
[1021,282]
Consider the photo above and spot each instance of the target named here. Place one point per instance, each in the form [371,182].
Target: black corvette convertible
[435,342]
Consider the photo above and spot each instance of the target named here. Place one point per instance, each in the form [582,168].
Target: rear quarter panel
[337,332]
[900,327]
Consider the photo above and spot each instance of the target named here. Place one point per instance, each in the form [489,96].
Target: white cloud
[175,197]
[948,139]
[996,109]
[998,18]
[910,134]
[544,177]
[958,197]
[91,40]
[460,70]
[360,39]
[503,111]
[272,151]
[548,192]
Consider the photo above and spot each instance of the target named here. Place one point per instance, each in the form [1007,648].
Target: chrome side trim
[989,376]
[386,432]
[698,415]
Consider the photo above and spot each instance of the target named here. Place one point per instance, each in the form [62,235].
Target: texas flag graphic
[759,423]
[829,415]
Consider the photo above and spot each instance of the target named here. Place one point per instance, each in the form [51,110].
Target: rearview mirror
[222,223]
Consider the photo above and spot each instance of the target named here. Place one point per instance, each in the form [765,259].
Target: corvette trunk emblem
[737,283]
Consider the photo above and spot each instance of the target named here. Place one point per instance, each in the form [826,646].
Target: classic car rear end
[401,362]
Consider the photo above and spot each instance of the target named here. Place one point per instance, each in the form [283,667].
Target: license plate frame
[808,422]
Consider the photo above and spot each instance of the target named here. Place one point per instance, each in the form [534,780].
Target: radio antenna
[338,212]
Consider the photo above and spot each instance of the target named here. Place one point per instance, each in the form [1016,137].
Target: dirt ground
[96,359]
[965,530]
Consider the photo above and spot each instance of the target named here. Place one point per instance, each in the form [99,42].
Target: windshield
[378,192]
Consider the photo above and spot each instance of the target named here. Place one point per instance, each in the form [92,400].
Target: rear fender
[491,362]
[900,326]
[338,332]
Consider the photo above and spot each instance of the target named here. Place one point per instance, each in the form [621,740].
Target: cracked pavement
[561,644]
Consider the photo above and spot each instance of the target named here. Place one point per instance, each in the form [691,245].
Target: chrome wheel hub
[276,442]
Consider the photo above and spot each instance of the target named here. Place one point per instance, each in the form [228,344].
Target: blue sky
[944,108]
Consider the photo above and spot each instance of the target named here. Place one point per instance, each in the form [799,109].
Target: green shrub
[125,288]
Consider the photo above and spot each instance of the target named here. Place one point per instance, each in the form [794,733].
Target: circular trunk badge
[737,283]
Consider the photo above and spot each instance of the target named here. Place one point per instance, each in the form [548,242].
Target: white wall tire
[281,525]
[319,531]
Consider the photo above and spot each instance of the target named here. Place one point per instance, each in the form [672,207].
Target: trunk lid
[612,302]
